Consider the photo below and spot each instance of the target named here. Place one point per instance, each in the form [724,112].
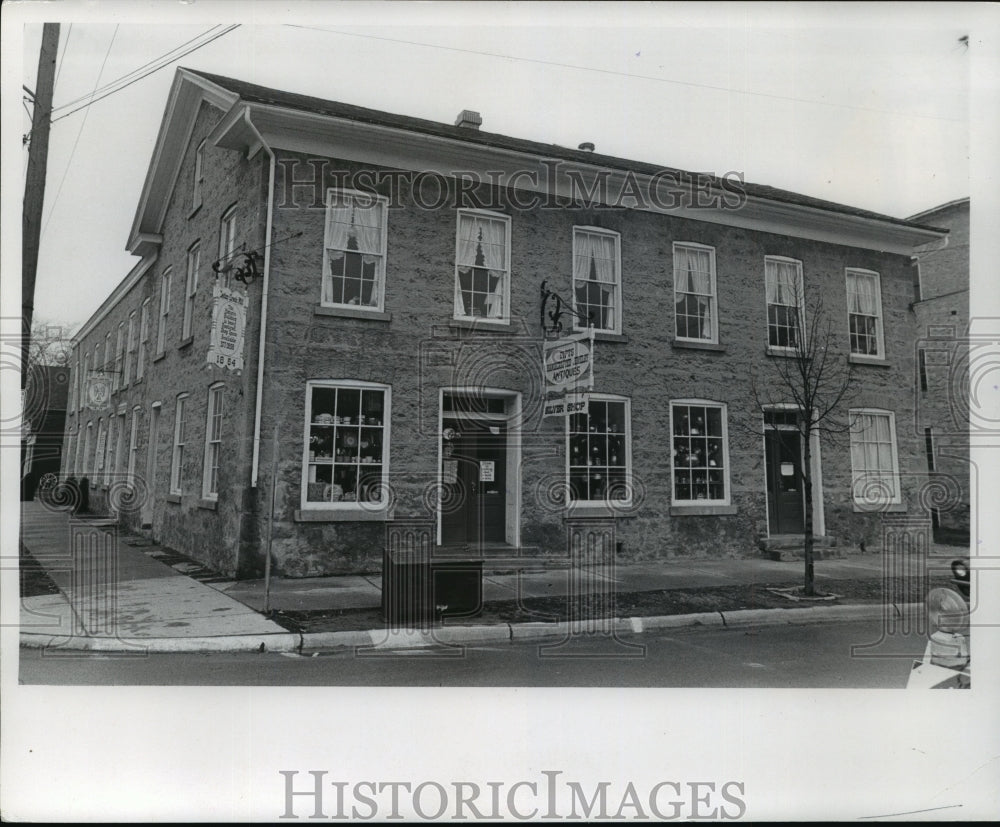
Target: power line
[69,33]
[72,152]
[623,74]
[133,72]
[148,73]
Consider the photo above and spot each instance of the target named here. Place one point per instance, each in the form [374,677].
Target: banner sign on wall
[568,365]
[229,321]
[98,387]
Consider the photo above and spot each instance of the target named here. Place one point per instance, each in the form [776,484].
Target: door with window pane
[474,481]
[783,468]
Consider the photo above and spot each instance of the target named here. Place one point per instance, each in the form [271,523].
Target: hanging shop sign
[568,366]
[98,390]
[229,321]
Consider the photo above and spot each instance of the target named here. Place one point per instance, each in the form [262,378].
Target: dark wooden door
[783,449]
[474,478]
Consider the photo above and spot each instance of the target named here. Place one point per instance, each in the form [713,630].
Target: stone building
[943,351]
[391,270]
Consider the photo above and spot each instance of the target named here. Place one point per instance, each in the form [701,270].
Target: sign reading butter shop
[229,322]
[568,365]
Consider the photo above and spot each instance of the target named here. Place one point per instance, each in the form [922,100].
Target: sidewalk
[125,594]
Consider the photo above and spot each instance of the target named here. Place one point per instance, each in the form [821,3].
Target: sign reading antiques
[98,390]
[568,364]
[229,321]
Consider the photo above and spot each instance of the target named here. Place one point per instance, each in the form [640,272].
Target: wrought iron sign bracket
[555,315]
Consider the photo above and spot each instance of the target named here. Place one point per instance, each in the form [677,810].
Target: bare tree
[809,373]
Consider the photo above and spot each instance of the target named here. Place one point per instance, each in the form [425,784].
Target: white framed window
[482,266]
[597,278]
[140,362]
[864,313]
[87,467]
[161,330]
[354,250]
[119,355]
[133,444]
[699,452]
[109,355]
[108,457]
[82,401]
[227,237]
[97,465]
[177,455]
[599,452]
[199,175]
[695,315]
[785,305]
[190,287]
[129,348]
[874,464]
[345,460]
[119,443]
[74,382]
[213,443]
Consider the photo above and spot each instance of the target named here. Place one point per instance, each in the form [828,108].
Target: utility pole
[34,185]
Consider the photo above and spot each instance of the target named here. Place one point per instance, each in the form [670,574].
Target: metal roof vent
[469,119]
[587,146]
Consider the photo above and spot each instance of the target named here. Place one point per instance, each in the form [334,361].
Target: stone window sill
[783,353]
[195,210]
[702,510]
[342,515]
[185,343]
[159,356]
[173,498]
[480,325]
[596,511]
[211,505]
[874,361]
[351,313]
[880,508]
[710,346]
[607,336]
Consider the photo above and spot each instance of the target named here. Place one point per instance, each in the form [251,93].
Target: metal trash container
[419,589]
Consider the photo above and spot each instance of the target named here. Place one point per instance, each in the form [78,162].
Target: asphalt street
[784,656]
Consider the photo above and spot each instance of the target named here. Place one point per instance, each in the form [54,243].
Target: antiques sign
[568,365]
[229,321]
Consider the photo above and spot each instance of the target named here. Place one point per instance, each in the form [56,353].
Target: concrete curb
[275,642]
[377,639]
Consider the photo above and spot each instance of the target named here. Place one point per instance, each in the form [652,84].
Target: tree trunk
[809,588]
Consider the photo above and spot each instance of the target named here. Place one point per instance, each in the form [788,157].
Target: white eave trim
[397,148]
[188,92]
[114,298]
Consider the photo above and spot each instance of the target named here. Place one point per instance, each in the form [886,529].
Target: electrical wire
[133,72]
[148,73]
[624,74]
[69,162]
[69,34]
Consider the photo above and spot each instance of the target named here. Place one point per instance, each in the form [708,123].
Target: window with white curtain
[785,307]
[864,312]
[177,456]
[874,464]
[354,250]
[694,293]
[482,266]
[597,278]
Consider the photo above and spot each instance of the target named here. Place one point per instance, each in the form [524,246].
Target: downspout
[263,302]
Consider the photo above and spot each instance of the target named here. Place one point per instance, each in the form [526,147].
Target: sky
[855,104]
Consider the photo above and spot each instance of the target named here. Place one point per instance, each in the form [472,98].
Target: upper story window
[180,440]
[133,444]
[346,446]
[354,250]
[864,312]
[199,175]
[140,362]
[785,305]
[482,266]
[597,278]
[85,370]
[213,443]
[695,313]
[190,287]
[161,330]
[699,453]
[599,449]
[119,356]
[129,348]
[74,384]
[227,237]
[874,463]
